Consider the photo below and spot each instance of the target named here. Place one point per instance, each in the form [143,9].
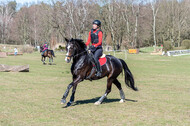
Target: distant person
[45,48]
[38,48]
[4,47]
[16,51]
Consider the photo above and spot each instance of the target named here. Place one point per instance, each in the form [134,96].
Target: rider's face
[94,26]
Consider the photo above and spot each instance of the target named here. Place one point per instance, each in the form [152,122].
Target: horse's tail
[129,80]
[52,52]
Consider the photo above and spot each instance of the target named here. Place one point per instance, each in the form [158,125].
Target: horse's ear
[66,40]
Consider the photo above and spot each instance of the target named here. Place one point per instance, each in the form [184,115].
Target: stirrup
[98,74]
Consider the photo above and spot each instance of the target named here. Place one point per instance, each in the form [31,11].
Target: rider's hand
[92,47]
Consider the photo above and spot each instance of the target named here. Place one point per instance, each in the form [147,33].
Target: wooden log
[3,54]
[12,53]
[7,68]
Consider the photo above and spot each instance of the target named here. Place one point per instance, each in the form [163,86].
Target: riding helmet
[97,22]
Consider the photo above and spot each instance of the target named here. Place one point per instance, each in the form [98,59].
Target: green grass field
[33,98]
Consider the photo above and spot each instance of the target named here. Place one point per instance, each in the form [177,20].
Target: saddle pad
[104,55]
[102,61]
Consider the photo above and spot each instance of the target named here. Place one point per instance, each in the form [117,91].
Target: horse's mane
[80,43]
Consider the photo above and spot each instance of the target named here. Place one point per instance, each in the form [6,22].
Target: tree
[7,10]
[182,11]
[129,23]
[155,8]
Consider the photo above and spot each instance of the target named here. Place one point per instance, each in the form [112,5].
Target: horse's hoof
[69,104]
[97,103]
[63,101]
[121,101]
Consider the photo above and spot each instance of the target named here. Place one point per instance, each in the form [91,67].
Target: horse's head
[73,47]
[70,49]
[41,48]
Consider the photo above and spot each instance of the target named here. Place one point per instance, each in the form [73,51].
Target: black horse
[82,69]
[47,53]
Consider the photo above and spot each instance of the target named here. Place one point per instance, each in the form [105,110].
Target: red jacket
[45,47]
[100,35]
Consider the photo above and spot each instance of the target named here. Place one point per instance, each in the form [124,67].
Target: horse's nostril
[67,59]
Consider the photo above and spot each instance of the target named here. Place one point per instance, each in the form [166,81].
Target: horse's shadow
[49,64]
[93,100]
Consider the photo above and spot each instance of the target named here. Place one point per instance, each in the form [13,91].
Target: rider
[95,37]
[45,48]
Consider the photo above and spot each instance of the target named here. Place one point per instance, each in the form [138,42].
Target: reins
[77,54]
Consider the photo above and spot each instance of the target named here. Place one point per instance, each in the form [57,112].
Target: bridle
[76,54]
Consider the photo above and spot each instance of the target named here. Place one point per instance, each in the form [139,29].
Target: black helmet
[97,22]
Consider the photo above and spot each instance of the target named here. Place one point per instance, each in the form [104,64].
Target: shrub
[60,48]
[186,44]
[167,46]
[27,49]
[179,48]
[35,49]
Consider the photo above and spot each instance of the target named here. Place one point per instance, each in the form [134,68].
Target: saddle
[102,61]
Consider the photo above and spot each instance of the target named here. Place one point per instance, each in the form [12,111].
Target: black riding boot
[98,68]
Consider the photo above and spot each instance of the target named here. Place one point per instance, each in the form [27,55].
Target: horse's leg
[74,85]
[42,59]
[76,81]
[63,100]
[108,90]
[122,95]
[72,98]
[50,60]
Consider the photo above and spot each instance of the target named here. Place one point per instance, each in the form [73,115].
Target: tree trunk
[154,13]
[154,29]
[136,29]
[179,37]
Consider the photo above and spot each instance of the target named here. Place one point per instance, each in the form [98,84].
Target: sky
[29,1]
[24,1]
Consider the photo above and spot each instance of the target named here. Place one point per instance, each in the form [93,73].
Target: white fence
[178,52]
[115,52]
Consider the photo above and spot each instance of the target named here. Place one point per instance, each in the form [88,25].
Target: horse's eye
[71,47]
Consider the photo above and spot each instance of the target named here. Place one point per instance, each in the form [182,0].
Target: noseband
[76,54]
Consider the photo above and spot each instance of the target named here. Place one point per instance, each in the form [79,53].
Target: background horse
[47,53]
[82,69]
